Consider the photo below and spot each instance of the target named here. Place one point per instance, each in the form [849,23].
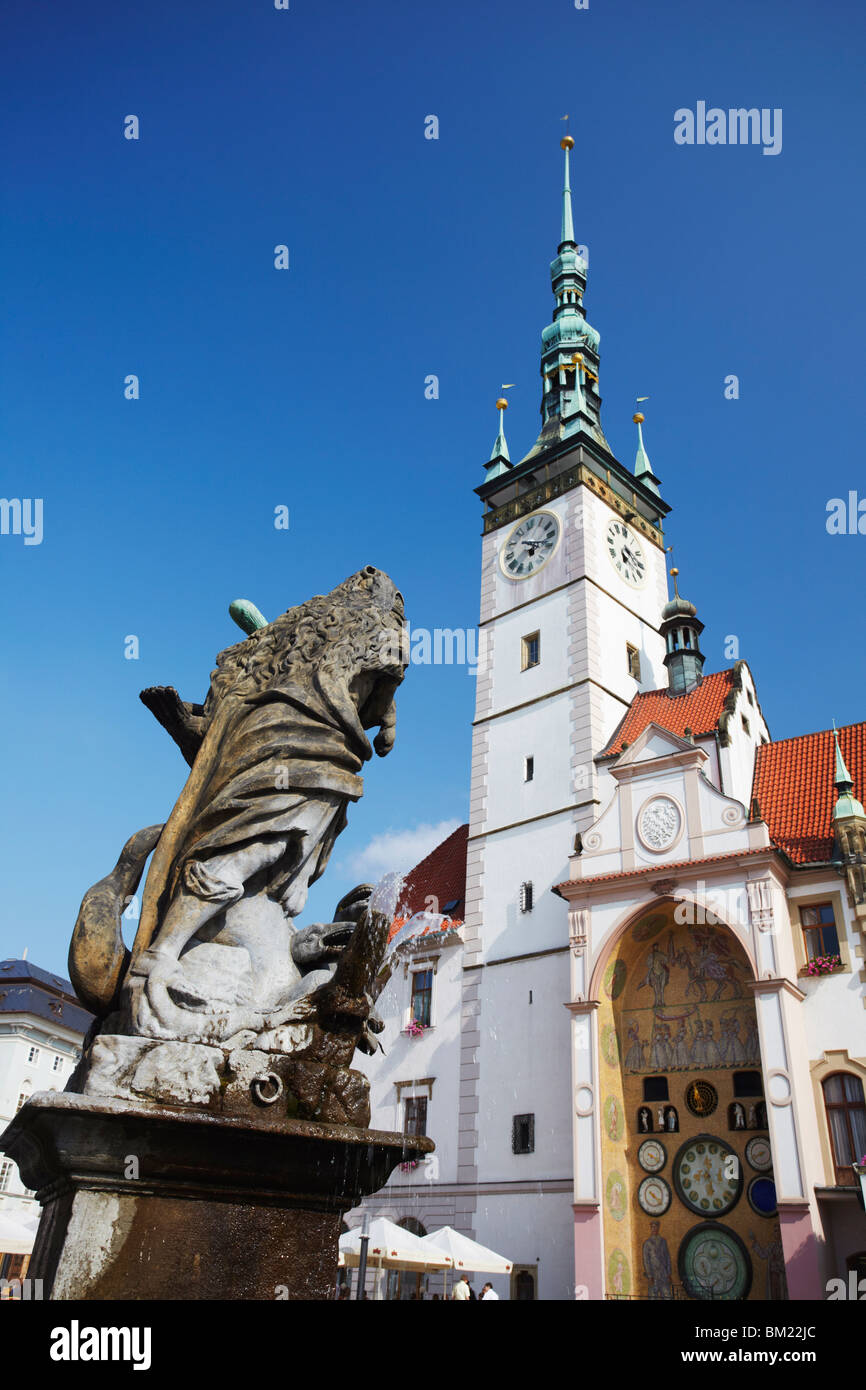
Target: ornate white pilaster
[585,1099]
[763,923]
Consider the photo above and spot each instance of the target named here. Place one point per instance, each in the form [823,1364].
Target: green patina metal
[846,803]
[246,615]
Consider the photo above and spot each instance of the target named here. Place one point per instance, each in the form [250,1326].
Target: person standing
[462,1291]
[488,1292]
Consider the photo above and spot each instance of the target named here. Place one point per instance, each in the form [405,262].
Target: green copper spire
[567,237]
[642,465]
[846,803]
[500,459]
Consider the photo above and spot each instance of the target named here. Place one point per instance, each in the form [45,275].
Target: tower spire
[846,802]
[567,238]
[500,459]
[642,466]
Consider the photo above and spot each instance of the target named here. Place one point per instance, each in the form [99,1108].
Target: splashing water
[386,895]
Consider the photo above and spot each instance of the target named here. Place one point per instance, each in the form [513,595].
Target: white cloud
[398,850]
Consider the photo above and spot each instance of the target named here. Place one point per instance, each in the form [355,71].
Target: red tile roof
[666,870]
[440,877]
[699,710]
[795,791]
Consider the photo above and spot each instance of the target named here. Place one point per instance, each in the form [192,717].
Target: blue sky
[305,388]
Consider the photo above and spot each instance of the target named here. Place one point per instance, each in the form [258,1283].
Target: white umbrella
[16,1238]
[391,1247]
[465,1253]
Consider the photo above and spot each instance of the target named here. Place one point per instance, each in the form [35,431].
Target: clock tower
[573,583]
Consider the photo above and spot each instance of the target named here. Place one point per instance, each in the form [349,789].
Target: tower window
[530,651]
[528,769]
[526,897]
[523,1134]
[819,930]
[415,1117]
[57,1064]
[632,656]
[745,723]
[33,1054]
[6,1169]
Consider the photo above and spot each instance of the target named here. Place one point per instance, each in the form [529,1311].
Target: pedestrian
[462,1291]
[489,1292]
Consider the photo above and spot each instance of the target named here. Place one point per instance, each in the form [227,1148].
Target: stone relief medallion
[714,1263]
[610,1045]
[652,1156]
[618,1275]
[659,824]
[654,1196]
[759,1154]
[615,1195]
[614,1121]
[614,978]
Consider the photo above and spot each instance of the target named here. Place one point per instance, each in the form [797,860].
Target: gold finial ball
[502,403]
[638,418]
[578,357]
[674,572]
[566,143]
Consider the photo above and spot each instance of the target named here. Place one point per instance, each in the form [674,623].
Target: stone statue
[219,983]
[657,1263]
[739,1116]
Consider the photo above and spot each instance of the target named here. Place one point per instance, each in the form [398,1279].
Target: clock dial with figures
[529,545]
[708,1176]
[625,553]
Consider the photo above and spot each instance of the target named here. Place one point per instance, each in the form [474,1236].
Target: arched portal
[687,1175]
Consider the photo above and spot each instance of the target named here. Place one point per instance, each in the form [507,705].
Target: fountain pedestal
[143,1201]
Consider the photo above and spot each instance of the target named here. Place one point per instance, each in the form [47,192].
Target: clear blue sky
[306,387]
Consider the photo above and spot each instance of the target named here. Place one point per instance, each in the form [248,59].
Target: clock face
[708,1176]
[758,1153]
[714,1263]
[654,1196]
[651,1156]
[529,546]
[701,1097]
[626,554]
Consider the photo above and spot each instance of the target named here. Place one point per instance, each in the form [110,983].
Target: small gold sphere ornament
[566,143]
[638,418]
[674,572]
[502,403]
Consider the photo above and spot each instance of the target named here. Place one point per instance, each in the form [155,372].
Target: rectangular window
[632,656]
[526,897]
[33,1054]
[22,1100]
[58,1063]
[415,1121]
[745,724]
[819,930]
[528,769]
[422,996]
[523,1134]
[5,1174]
[530,649]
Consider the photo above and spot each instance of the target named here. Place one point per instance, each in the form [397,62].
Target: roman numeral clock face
[626,554]
[529,545]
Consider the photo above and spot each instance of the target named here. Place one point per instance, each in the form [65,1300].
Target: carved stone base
[270,1086]
[145,1202]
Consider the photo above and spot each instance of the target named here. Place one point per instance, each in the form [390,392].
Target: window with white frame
[422,997]
[33,1055]
[415,1116]
[6,1170]
[57,1064]
[526,897]
[22,1100]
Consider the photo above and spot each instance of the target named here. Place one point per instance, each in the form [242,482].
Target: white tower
[572,587]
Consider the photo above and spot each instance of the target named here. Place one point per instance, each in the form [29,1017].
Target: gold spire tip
[566,143]
[502,403]
[638,418]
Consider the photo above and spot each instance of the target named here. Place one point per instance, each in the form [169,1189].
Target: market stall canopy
[16,1236]
[465,1253]
[392,1247]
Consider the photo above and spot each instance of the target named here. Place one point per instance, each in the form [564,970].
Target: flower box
[822,965]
